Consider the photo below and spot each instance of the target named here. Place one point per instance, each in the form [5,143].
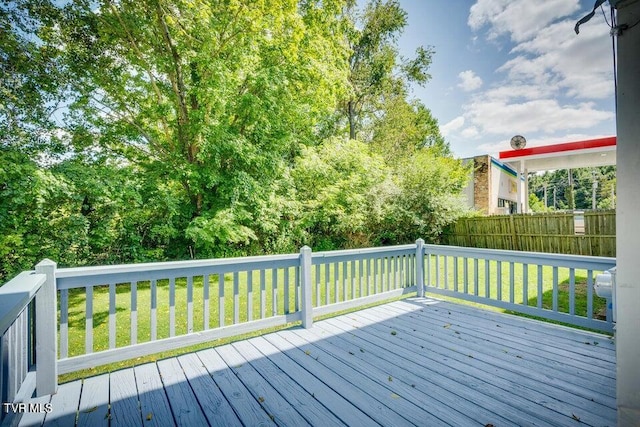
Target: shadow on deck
[410,362]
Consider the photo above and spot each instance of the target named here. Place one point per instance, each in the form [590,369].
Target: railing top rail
[559,260]
[364,251]
[16,295]
[169,265]
[68,278]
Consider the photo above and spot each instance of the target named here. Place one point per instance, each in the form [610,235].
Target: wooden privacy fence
[579,233]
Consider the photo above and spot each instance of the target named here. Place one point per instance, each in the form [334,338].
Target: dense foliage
[573,192]
[151,130]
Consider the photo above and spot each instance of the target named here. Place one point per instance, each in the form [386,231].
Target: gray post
[305,277]
[420,267]
[46,331]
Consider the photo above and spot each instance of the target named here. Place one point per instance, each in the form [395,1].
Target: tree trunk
[352,121]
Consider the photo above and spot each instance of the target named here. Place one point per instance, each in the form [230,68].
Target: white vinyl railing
[113,313]
[28,359]
[531,283]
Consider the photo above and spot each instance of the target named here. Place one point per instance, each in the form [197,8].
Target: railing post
[420,267]
[46,331]
[305,277]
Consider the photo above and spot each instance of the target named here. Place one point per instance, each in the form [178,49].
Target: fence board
[551,232]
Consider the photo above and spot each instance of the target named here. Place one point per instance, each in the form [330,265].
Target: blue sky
[506,67]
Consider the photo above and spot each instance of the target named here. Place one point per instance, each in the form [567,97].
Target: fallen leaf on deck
[575,417]
[394,333]
[260,399]
[86,411]
[448,325]
[395,396]
[149,416]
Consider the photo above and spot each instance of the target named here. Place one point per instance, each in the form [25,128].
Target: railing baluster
[274,291]
[499,273]
[455,273]
[589,294]
[525,284]
[297,288]
[512,269]
[465,273]
[286,290]
[344,281]
[397,261]
[64,323]
[221,308]
[360,273]
[555,288]
[475,276]
[437,271]
[487,277]
[428,266]
[154,308]
[134,313]
[572,291]
[353,279]
[205,302]
[382,275]
[172,307]
[112,315]
[376,279]
[249,295]
[336,278]
[317,285]
[263,294]
[446,272]
[327,281]
[540,291]
[236,298]
[189,304]
[88,322]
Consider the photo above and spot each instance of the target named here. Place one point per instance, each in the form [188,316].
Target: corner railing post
[420,267]
[305,277]
[46,331]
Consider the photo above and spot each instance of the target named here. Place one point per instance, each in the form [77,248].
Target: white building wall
[628,216]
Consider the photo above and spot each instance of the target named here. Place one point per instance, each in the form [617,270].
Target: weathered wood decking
[412,362]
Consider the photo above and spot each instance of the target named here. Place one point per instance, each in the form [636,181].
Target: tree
[375,66]
[430,198]
[340,186]
[31,82]
[213,96]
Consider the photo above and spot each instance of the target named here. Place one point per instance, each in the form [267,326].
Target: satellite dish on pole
[518,142]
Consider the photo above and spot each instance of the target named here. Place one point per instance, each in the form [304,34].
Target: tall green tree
[376,68]
[215,96]
[30,82]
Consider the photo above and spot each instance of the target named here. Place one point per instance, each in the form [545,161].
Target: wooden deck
[412,362]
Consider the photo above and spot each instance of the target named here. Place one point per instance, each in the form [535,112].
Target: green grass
[336,284]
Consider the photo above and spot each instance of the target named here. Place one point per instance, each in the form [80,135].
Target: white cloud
[579,64]
[452,126]
[519,19]
[469,132]
[540,115]
[469,81]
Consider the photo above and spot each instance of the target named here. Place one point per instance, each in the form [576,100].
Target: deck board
[123,397]
[94,402]
[410,362]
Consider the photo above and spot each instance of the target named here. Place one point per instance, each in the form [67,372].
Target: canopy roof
[569,155]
